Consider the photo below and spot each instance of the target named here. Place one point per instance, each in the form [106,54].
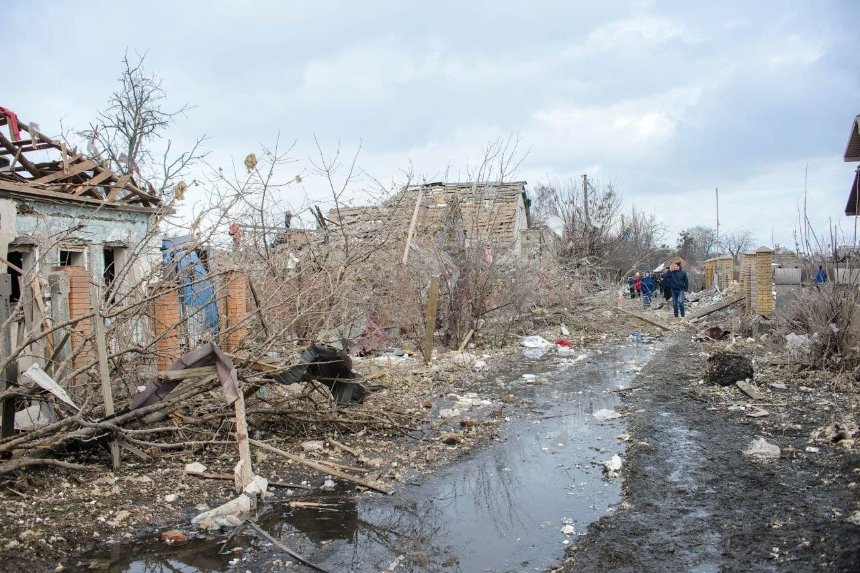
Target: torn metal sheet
[329,366]
[205,355]
[41,378]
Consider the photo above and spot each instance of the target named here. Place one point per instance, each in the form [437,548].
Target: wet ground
[696,503]
[500,509]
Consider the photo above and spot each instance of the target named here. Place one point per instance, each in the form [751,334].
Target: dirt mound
[726,368]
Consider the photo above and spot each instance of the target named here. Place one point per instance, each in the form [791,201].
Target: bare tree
[127,132]
[698,243]
[736,242]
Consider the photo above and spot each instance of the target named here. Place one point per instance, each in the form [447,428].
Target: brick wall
[79,305]
[748,279]
[235,308]
[763,295]
[165,324]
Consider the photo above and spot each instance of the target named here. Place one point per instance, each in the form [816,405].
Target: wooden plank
[725,303]
[75,169]
[7,406]
[92,182]
[245,473]
[187,373]
[430,318]
[749,390]
[118,186]
[322,467]
[24,189]
[644,319]
[104,371]
[466,340]
[412,226]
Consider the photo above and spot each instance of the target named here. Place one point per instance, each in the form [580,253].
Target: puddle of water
[499,510]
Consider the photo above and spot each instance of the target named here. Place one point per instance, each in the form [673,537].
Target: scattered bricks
[236,308]
[165,314]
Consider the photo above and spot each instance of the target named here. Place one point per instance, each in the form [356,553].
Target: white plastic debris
[761,448]
[854,518]
[313,445]
[195,468]
[170,497]
[812,449]
[799,345]
[604,414]
[568,530]
[479,365]
[563,329]
[328,485]
[612,466]
[529,377]
[535,342]
[230,514]
[38,376]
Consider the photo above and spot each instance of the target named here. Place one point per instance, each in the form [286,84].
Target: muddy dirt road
[694,502]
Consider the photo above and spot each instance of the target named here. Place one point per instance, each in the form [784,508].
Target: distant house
[671,261]
[852,153]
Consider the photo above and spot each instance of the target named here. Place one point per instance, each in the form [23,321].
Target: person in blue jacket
[649,286]
[820,276]
[679,284]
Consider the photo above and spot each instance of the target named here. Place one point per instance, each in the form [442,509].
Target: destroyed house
[852,153]
[447,214]
[60,208]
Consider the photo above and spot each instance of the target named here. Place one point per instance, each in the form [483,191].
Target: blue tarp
[197,291]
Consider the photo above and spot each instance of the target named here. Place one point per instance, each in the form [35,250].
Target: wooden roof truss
[72,177]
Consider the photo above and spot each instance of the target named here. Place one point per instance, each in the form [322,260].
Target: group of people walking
[672,282]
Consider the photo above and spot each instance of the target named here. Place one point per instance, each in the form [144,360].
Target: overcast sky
[668,100]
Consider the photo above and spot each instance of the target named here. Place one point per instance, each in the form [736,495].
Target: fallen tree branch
[321,467]
[19,463]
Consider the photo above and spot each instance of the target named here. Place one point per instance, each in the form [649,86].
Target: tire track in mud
[693,502]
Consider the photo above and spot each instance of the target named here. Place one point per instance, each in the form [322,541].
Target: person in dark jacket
[820,276]
[679,284]
[648,288]
[664,282]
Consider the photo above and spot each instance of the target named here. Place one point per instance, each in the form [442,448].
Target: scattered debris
[612,466]
[762,449]
[606,414]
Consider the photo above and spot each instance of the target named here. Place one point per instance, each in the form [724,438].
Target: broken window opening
[17,259]
[72,258]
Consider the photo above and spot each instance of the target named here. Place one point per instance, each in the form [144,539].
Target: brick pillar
[747,268]
[165,324]
[764,281]
[235,308]
[79,305]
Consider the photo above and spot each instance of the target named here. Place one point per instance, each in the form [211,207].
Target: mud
[693,502]
[500,509]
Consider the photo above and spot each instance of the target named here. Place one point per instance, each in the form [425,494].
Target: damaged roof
[852,150]
[67,176]
[486,210]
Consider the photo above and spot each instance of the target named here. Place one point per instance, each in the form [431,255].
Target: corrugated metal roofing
[852,150]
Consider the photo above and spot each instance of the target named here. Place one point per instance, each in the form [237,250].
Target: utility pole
[717,191]
[585,197]
[587,229]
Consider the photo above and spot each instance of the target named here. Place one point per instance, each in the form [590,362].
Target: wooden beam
[24,189]
[93,181]
[34,171]
[644,319]
[430,319]
[117,187]
[85,165]
[324,468]
[187,373]
[725,303]
[104,371]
